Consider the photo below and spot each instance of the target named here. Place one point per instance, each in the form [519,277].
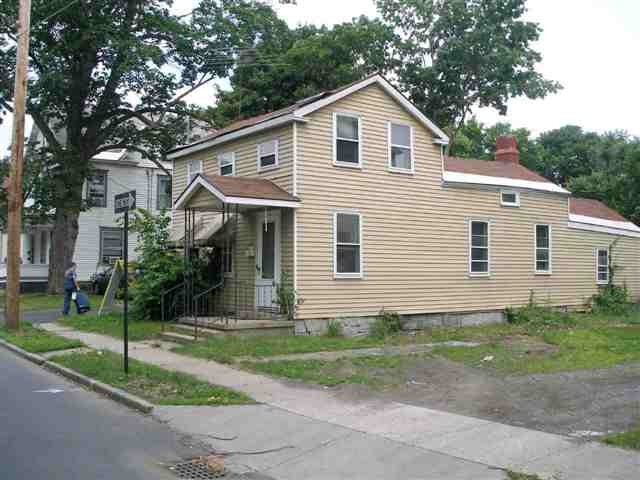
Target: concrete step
[179,337]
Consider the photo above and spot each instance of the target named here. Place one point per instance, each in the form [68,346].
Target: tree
[109,74]
[454,55]
[294,64]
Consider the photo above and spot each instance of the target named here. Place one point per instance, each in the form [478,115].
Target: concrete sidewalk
[375,426]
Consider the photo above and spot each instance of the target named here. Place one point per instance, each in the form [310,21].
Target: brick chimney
[507,149]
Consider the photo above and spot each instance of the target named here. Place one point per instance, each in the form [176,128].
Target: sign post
[122,204]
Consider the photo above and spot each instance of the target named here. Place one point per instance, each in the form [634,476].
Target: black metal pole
[126,289]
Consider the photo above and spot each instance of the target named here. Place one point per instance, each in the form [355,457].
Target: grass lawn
[155,384]
[35,340]
[41,301]
[112,324]
[227,348]
[375,371]
[554,350]
[630,439]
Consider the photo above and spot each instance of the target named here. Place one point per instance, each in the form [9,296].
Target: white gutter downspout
[295,213]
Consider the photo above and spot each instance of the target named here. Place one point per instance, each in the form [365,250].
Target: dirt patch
[593,401]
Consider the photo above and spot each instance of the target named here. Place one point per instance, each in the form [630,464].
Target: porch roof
[243,191]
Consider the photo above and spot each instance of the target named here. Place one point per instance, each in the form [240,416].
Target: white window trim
[509,204]
[335,140]
[259,154]
[233,163]
[390,124]
[336,274]
[189,179]
[488,272]
[597,252]
[535,250]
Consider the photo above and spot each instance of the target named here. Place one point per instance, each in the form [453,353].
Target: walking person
[70,287]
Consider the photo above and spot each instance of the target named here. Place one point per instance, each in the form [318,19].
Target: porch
[237,244]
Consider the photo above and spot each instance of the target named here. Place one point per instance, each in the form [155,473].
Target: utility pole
[14,217]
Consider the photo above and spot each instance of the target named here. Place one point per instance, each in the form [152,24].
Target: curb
[114,393]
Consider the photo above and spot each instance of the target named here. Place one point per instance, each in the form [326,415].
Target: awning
[211,192]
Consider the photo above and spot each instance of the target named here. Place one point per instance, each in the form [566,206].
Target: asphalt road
[51,428]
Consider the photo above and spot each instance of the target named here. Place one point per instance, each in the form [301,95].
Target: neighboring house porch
[246,227]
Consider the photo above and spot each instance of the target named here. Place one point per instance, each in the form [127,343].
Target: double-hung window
[268,155]
[194,167]
[602,266]
[97,189]
[164,192]
[227,163]
[400,147]
[348,245]
[346,140]
[479,247]
[543,248]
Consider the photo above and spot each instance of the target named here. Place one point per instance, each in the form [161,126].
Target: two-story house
[100,235]
[350,196]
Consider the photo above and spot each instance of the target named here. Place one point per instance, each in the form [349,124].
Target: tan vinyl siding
[415,231]
[246,164]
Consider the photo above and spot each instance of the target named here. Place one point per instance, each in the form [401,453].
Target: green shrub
[334,329]
[286,297]
[537,315]
[386,324]
[159,268]
[611,299]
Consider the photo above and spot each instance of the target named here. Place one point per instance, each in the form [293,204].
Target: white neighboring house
[100,236]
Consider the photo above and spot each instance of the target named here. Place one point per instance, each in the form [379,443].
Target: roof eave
[460,178]
[234,135]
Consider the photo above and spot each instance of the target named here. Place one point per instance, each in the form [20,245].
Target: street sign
[122,203]
[125,201]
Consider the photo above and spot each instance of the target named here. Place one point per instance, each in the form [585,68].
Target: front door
[267,258]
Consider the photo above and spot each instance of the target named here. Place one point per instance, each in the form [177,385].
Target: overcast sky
[590,46]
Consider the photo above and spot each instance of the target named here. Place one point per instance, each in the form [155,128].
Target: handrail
[195,305]
[163,294]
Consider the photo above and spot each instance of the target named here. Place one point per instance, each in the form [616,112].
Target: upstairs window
[602,266]
[347,249]
[194,167]
[543,248]
[268,155]
[227,163]
[509,198]
[346,140]
[97,189]
[478,247]
[400,147]
[164,192]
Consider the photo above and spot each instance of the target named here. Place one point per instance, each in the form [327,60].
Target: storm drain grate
[198,469]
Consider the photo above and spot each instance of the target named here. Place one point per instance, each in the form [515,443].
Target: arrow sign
[125,201]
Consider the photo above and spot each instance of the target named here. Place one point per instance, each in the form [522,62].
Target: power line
[49,17]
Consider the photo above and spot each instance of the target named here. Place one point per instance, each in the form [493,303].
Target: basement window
[509,198]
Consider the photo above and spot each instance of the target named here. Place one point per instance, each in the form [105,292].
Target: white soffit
[615,227]
[470,178]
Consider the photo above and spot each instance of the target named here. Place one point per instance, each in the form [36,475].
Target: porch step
[187,329]
[241,327]
[179,337]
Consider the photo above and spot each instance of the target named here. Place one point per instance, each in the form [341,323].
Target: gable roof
[498,173]
[246,191]
[589,214]
[300,109]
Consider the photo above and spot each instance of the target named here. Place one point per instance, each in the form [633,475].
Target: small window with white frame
[347,140]
[479,231]
[347,245]
[267,155]
[400,147]
[194,167]
[543,249]
[509,198]
[227,164]
[602,266]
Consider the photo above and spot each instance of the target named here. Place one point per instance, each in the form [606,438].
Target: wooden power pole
[14,217]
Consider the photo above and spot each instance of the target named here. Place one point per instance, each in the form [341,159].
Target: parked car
[100,280]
